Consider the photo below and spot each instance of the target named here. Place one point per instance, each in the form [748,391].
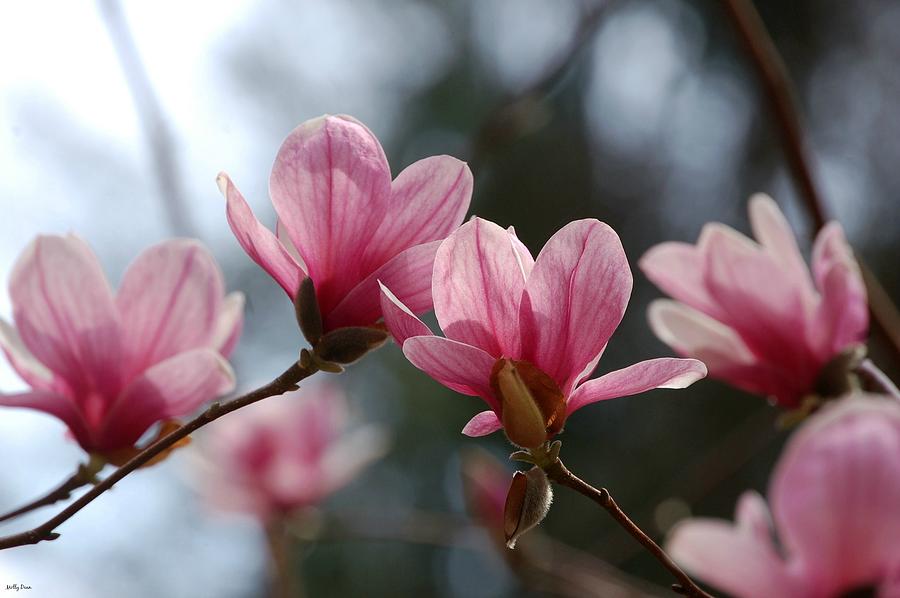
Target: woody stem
[558,472]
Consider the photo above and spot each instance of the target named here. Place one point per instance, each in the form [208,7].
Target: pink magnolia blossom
[834,496]
[110,365]
[521,331]
[751,311]
[346,225]
[286,453]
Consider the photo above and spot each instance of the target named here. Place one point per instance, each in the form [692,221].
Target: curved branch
[558,472]
[61,492]
[287,381]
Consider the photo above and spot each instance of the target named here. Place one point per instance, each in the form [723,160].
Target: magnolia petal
[21,359]
[169,300]
[482,424]
[169,389]
[835,492]
[458,366]
[407,274]
[735,558]
[331,188]
[762,302]
[401,322]
[429,200]
[830,247]
[477,287]
[677,269]
[258,242]
[842,317]
[574,299]
[229,324]
[347,456]
[525,259]
[773,232]
[55,404]
[664,372]
[65,313]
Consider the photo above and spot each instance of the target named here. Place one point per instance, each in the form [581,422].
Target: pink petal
[408,274]
[171,388]
[693,334]
[525,259]
[737,559]
[477,286]
[842,317]
[829,248]
[483,424]
[401,322]
[835,493]
[762,302]
[169,300]
[23,362]
[774,233]
[458,366]
[677,269]
[350,454]
[65,313]
[229,324]
[331,188]
[429,200]
[574,299]
[665,372]
[258,241]
[54,404]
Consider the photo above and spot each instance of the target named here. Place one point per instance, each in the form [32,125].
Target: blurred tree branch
[153,121]
[85,474]
[778,89]
[543,563]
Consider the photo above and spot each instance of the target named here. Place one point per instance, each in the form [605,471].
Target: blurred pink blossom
[512,321]
[834,496]
[110,365]
[286,453]
[345,224]
[751,311]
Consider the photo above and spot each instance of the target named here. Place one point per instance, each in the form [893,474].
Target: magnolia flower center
[532,406]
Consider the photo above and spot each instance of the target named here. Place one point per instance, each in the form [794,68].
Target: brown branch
[558,472]
[75,481]
[779,91]
[285,382]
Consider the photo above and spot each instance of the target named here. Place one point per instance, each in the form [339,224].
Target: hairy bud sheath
[533,408]
[527,503]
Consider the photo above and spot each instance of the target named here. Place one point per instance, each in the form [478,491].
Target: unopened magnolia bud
[306,308]
[346,345]
[532,407]
[527,503]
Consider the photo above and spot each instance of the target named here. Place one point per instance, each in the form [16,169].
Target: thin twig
[558,472]
[61,492]
[152,118]
[779,90]
[285,382]
[878,378]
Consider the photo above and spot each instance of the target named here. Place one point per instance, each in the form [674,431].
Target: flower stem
[84,475]
[285,382]
[558,472]
[879,379]
[284,580]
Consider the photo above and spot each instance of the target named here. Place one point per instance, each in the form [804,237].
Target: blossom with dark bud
[527,503]
[113,364]
[524,334]
[343,225]
[835,506]
[751,310]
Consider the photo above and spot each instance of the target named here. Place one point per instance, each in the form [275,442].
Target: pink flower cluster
[110,365]
[751,311]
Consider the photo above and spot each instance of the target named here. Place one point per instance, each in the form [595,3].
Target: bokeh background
[116,117]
